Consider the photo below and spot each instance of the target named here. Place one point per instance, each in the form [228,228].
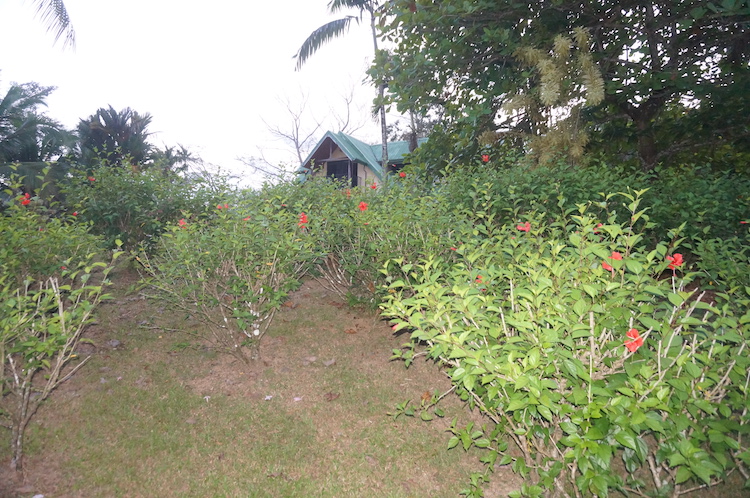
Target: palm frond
[362,5]
[55,16]
[320,36]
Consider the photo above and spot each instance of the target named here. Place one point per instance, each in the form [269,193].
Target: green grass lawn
[162,415]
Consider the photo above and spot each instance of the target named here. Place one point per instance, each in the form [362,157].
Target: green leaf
[580,307]
[683,474]
[453,442]
[545,412]
[568,427]
[626,439]
[482,443]
[675,299]
[633,266]
[517,404]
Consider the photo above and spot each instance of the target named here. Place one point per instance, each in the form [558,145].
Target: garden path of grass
[156,413]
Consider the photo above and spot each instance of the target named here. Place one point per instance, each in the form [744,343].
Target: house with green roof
[343,157]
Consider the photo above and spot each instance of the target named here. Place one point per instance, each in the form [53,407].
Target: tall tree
[115,138]
[338,28]
[26,133]
[55,17]
[29,140]
[652,56]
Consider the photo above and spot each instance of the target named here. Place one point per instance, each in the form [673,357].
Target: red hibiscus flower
[247,218]
[348,193]
[92,179]
[674,261]
[485,158]
[25,202]
[479,279]
[525,227]
[374,186]
[596,230]
[182,223]
[302,220]
[402,174]
[75,213]
[636,342]
[615,255]
[363,206]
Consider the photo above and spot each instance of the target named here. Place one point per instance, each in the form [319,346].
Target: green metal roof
[358,151]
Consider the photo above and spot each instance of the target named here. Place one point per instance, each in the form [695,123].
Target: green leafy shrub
[567,337]
[355,230]
[51,281]
[726,264]
[135,207]
[710,204]
[40,327]
[232,271]
[34,244]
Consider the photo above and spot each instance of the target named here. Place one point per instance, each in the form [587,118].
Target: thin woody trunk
[25,412]
[381,96]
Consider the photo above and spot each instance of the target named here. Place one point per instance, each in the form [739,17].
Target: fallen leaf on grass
[331,396]
[330,362]
[350,331]
[297,398]
[426,396]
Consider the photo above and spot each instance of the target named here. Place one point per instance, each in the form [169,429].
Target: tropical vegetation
[570,247]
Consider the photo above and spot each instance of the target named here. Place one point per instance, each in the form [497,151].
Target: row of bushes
[573,329]
[583,346]
[549,299]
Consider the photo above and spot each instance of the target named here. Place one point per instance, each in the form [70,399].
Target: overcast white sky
[209,73]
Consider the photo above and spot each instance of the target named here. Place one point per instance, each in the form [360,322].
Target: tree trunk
[647,151]
[19,423]
[643,117]
[381,96]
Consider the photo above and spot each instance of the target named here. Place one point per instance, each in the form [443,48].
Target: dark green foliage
[34,244]
[134,207]
[710,204]
[26,133]
[113,138]
[674,71]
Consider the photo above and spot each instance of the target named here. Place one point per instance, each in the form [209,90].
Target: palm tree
[337,28]
[29,140]
[19,117]
[54,15]
[115,138]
